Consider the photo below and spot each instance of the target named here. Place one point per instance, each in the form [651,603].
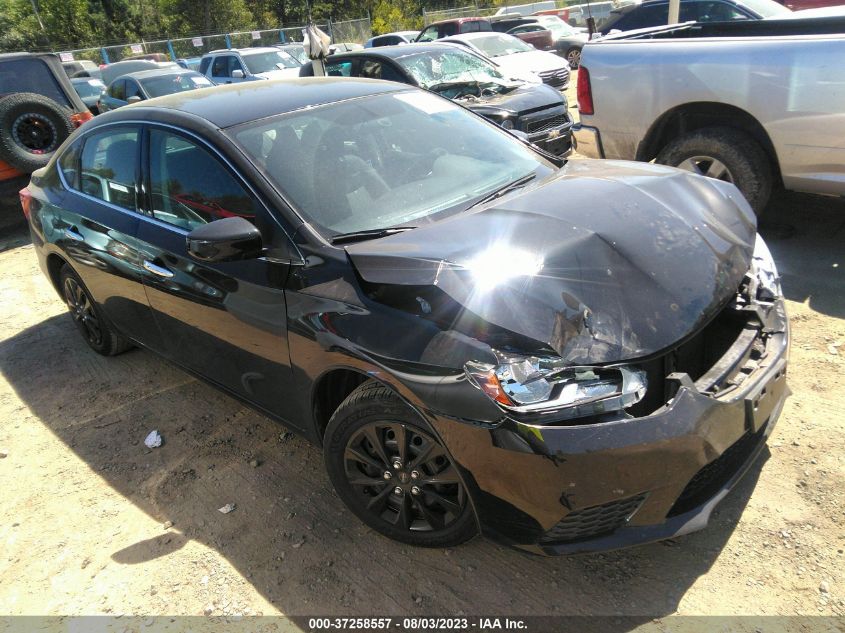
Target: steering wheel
[357,173]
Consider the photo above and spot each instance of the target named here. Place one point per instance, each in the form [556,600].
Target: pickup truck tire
[32,127]
[726,154]
[573,56]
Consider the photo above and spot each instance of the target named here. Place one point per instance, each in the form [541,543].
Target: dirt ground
[93,522]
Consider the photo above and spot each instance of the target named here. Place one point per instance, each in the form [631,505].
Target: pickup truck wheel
[573,56]
[726,154]
[393,473]
[31,128]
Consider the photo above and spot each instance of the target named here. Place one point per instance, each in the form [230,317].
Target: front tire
[88,317]
[573,56]
[726,154]
[393,473]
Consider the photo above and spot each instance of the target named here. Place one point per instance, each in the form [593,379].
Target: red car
[456,26]
[538,36]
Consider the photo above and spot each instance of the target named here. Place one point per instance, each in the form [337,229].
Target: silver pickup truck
[760,104]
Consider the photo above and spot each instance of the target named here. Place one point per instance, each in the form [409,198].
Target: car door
[115,96]
[98,221]
[225,321]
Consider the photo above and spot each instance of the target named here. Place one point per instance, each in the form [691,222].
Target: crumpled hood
[630,258]
[523,100]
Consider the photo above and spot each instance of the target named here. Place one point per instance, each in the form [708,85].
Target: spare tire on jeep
[32,127]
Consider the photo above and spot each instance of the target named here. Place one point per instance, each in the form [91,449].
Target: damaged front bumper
[551,488]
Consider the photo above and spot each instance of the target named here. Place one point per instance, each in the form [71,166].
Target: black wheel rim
[35,133]
[82,310]
[403,476]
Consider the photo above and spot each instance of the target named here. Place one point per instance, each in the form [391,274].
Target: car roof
[157,72]
[473,36]
[243,51]
[397,51]
[459,21]
[233,104]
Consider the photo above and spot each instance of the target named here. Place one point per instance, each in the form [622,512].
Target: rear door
[225,321]
[97,223]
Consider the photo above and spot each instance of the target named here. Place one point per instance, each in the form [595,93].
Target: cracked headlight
[765,279]
[532,384]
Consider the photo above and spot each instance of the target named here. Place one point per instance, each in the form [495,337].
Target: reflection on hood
[604,262]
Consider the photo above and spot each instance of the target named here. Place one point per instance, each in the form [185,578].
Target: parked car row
[481,336]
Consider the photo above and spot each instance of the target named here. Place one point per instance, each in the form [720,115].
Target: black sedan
[566,356]
[536,110]
[656,12]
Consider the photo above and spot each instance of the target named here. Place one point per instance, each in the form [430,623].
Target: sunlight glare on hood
[500,263]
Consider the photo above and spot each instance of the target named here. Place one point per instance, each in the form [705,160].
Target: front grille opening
[710,479]
[695,357]
[593,522]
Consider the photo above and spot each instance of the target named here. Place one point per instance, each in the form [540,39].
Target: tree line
[73,24]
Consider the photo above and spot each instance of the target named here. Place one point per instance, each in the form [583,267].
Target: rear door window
[376,69]
[643,16]
[108,166]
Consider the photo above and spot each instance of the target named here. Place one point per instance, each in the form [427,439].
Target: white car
[517,59]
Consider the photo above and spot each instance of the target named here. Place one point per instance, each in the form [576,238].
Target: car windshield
[439,69]
[170,84]
[766,8]
[498,44]
[558,27]
[388,160]
[89,87]
[297,52]
[271,60]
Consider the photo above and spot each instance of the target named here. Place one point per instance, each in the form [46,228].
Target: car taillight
[26,201]
[585,92]
[78,118]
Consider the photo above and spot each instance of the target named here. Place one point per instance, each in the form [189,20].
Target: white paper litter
[153,440]
[227,508]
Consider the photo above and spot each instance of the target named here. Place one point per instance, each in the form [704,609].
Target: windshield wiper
[369,234]
[505,189]
[445,85]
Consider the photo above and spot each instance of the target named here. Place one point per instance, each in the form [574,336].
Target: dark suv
[38,110]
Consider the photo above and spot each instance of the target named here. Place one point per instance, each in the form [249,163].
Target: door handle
[157,270]
[73,234]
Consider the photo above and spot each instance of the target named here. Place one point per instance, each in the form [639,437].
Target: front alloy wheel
[393,473]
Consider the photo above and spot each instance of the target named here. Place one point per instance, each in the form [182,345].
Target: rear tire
[88,316]
[727,154]
[32,127]
[573,56]
[375,445]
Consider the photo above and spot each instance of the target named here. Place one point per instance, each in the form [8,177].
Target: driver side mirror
[133,99]
[237,74]
[225,240]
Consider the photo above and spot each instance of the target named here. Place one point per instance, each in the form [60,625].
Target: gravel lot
[93,522]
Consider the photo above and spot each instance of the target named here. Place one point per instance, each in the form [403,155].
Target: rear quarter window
[31,75]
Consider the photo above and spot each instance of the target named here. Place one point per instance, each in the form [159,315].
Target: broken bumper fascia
[525,479]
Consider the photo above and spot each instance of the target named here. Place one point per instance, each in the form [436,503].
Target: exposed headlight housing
[765,279]
[540,385]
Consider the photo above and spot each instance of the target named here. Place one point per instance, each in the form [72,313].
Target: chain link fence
[357,31]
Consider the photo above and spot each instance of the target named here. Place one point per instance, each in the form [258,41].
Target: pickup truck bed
[758,103]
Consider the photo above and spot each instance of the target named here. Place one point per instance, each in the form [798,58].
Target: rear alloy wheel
[573,56]
[393,473]
[726,154]
[88,318]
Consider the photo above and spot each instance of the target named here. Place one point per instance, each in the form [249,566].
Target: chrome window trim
[143,216]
